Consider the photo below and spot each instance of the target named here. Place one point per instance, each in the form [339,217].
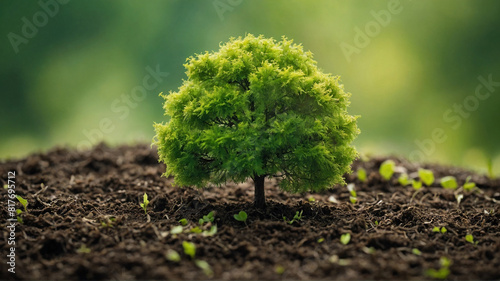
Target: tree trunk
[260,197]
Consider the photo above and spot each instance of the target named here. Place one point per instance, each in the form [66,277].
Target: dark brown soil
[92,199]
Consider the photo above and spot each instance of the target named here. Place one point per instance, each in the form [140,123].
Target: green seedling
[311,199]
[350,187]
[207,269]
[264,92]
[279,269]
[469,238]
[376,223]
[321,240]
[403,180]
[176,230]
[345,238]
[19,219]
[361,175]
[241,216]
[369,250]
[426,176]
[144,204]
[195,230]
[211,232]
[386,169]
[442,229]
[208,218]
[416,184]
[468,185]
[416,251]
[441,273]
[172,255]
[189,248]
[353,199]
[108,222]
[459,198]
[297,217]
[83,249]
[183,222]
[23,202]
[449,182]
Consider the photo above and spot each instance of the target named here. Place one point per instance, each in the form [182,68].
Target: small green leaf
[23,202]
[361,175]
[445,262]
[386,169]
[83,249]
[416,251]
[189,248]
[416,184]
[441,273]
[345,238]
[196,230]
[279,269]
[351,189]
[18,211]
[436,229]
[311,199]
[469,238]
[241,216]
[468,186]
[353,199]
[184,222]
[20,220]
[176,229]
[403,180]
[145,203]
[205,267]
[172,255]
[211,232]
[449,182]
[320,240]
[426,176]
[5,186]
[443,230]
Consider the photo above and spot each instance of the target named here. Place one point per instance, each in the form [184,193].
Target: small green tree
[257,108]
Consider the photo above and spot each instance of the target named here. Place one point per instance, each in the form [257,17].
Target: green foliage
[176,229]
[195,230]
[207,269]
[257,107]
[321,240]
[144,204]
[416,184]
[189,248]
[468,185]
[441,273]
[437,229]
[386,169]
[23,202]
[211,232]
[83,249]
[241,216]
[426,176]
[416,251]
[361,175]
[489,166]
[345,238]
[403,180]
[297,217]
[183,222]
[172,255]
[449,182]
[208,218]
[469,238]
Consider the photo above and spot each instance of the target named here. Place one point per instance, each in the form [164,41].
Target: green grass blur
[410,63]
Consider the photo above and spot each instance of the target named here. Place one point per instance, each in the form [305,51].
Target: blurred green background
[73,72]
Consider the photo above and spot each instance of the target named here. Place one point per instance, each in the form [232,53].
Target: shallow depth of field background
[81,65]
